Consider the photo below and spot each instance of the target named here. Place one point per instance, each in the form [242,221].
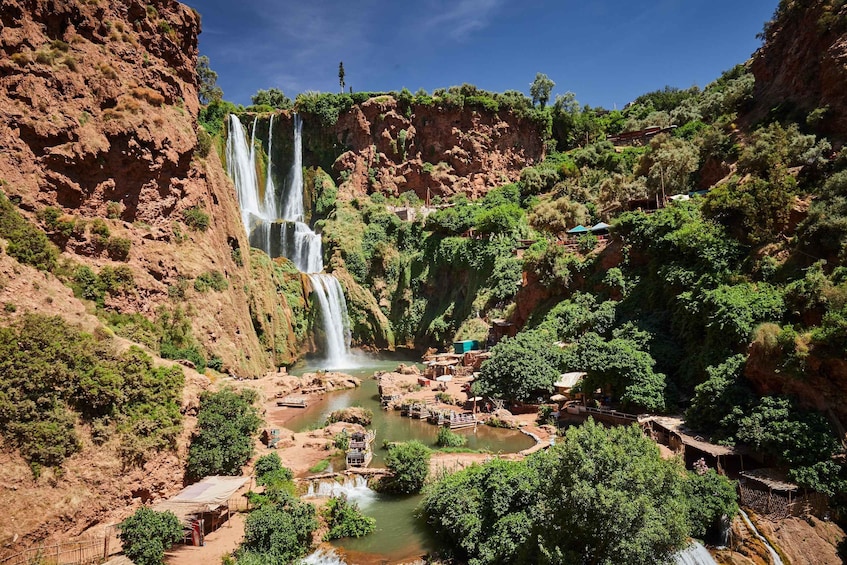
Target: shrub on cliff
[147,534]
[213,116]
[196,218]
[54,374]
[27,243]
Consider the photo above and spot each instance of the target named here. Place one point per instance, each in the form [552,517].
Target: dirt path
[219,543]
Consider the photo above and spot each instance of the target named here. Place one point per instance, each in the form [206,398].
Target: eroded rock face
[430,150]
[98,111]
[803,64]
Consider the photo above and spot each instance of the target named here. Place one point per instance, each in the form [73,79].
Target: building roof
[676,425]
[444,363]
[774,479]
[205,496]
[569,380]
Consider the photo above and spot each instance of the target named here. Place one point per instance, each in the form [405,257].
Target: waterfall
[269,200]
[777,560]
[302,246]
[330,297]
[292,208]
[354,488]
[242,169]
[323,557]
[694,554]
[287,235]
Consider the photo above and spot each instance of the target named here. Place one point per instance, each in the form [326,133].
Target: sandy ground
[218,544]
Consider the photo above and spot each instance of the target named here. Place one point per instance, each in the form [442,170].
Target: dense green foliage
[147,534]
[522,368]
[345,520]
[53,373]
[278,531]
[272,97]
[223,442]
[327,107]
[600,496]
[409,464]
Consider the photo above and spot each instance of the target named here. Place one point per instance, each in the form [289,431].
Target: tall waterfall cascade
[278,228]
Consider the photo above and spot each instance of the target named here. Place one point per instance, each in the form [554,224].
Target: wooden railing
[87,551]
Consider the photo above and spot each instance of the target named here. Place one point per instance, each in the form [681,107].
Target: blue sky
[605,51]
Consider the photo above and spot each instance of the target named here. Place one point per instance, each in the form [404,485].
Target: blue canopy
[600,227]
[578,229]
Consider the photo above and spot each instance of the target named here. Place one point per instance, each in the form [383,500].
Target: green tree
[409,464]
[223,442]
[207,82]
[341,82]
[668,165]
[623,365]
[754,211]
[540,89]
[272,97]
[279,532]
[147,534]
[612,498]
[599,496]
[522,368]
[710,497]
[487,512]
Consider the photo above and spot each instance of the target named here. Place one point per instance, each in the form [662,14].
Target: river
[399,534]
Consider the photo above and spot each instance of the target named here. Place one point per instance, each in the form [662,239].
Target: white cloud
[463,17]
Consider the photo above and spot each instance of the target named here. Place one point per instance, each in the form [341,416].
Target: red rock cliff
[98,107]
[432,149]
[803,64]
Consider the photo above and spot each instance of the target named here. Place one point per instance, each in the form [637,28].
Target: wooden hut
[671,432]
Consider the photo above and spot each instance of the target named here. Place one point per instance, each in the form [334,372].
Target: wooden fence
[86,551]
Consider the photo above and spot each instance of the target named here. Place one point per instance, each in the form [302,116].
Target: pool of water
[400,535]
[389,425]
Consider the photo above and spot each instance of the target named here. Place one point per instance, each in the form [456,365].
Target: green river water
[399,534]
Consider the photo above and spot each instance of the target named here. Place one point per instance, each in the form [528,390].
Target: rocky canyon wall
[98,108]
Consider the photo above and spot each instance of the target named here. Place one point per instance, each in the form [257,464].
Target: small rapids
[355,489]
[323,557]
